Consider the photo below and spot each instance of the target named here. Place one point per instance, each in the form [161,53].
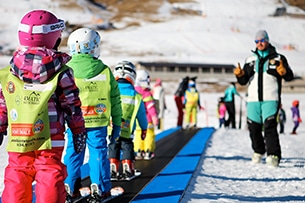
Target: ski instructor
[263,72]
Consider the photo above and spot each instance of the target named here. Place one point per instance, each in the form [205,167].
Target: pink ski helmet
[40,28]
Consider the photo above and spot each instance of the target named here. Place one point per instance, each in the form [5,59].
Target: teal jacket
[229,93]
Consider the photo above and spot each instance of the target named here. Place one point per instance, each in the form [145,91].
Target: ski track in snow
[226,170]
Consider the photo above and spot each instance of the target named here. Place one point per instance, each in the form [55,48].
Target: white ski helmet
[84,41]
[143,79]
[126,70]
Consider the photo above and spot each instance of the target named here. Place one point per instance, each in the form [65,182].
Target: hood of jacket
[86,66]
[37,64]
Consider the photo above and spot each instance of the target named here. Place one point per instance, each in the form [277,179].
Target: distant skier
[295,116]
[221,111]
[179,96]
[229,100]
[159,97]
[192,104]
[146,148]
[133,110]
[281,118]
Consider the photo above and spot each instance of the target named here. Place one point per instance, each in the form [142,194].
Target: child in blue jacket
[133,109]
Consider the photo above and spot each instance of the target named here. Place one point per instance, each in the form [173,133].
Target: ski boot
[114,166]
[149,155]
[128,169]
[257,158]
[139,155]
[187,127]
[194,127]
[272,160]
[96,195]
[70,198]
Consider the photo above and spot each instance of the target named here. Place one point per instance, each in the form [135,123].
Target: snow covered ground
[226,174]
[223,34]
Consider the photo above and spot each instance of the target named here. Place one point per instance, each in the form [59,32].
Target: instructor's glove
[238,72]
[2,134]
[143,134]
[281,70]
[79,142]
[115,134]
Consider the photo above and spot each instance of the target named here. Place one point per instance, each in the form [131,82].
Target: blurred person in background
[145,149]
[229,100]
[281,118]
[191,104]
[296,117]
[221,111]
[179,97]
[159,97]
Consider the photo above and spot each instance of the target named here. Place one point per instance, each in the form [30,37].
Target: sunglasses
[261,40]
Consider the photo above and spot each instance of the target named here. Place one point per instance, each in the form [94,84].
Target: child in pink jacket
[38,97]
[221,111]
[145,148]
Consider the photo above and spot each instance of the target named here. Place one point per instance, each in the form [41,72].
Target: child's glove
[299,120]
[201,108]
[143,134]
[79,142]
[2,134]
[155,120]
[238,72]
[281,70]
[116,132]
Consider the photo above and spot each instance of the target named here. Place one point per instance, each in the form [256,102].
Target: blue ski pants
[98,159]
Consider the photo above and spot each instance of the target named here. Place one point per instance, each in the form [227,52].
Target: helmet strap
[58,41]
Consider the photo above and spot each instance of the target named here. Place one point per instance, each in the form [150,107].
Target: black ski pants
[122,144]
[270,142]
[231,112]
